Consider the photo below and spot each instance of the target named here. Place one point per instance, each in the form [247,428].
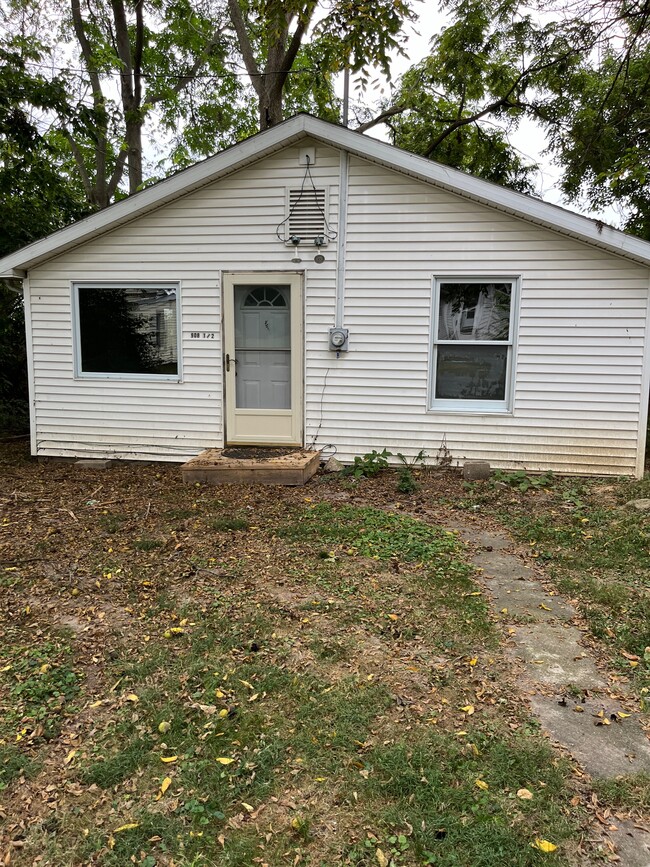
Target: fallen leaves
[224,760]
[166,783]
[543,845]
[524,794]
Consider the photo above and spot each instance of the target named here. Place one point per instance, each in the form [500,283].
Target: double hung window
[473,343]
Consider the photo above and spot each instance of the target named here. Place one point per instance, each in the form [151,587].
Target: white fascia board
[520,205]
[153,197]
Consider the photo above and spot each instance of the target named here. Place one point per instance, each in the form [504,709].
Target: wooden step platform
[254,466]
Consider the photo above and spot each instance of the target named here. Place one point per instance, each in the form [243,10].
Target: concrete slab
[632,843]
[212,467]
[528,599]
[481,538]
[496,564]
[604,751]
[553,655]
[93,464]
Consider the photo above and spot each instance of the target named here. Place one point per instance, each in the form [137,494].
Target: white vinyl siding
[226,226]
[577,403]
[578,397]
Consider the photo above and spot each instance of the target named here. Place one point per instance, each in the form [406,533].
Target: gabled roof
[290,131]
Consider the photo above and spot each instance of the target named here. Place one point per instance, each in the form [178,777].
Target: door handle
[228,360]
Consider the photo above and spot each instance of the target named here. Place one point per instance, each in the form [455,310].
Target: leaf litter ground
[234,676]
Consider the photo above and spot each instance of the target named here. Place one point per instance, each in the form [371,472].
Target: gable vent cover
[307,214]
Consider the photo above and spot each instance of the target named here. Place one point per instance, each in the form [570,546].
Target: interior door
[263,358]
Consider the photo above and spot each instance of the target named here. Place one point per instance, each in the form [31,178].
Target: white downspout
[342,238]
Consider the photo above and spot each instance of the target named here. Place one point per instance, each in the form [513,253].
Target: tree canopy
[144,86]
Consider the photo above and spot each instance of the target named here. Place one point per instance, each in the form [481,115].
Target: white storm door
[263,358]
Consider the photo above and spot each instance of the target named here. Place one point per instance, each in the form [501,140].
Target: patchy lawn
[239,676]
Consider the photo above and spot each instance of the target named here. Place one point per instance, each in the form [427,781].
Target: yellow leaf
[544,607]
[469,709]
[176,630]
[247,684]
[224,761]
[247,807]
[219,694]
[481,784]
[164,727]
[393,617]
[166,783]
[69,757]
[633,663]
[543,845]
[223,713]
[169,759]
[128,827]
[254,697]
[381,859]
[622,715]
[132,697]
[525,794]
[460,734]
[473,661]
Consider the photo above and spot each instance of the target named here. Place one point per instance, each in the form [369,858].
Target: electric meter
[339,339]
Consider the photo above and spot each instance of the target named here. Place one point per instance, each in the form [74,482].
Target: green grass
[326,655]
[595,549]
[631,792]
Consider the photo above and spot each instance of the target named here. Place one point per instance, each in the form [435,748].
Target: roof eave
[233,158]
[525,207]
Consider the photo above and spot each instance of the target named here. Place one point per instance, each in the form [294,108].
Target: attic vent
[307,214]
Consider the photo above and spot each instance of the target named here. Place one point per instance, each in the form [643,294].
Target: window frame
[79,373]
[476,407]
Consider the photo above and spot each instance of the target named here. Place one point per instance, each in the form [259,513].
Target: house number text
[205,335]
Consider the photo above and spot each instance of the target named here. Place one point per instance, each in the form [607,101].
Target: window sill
[128,377]
[446,409]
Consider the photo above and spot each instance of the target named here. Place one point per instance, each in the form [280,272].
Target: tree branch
[304,20]
[79,160]
[245,44]
[189,76]
[381,118]
[504,102]
[118,173]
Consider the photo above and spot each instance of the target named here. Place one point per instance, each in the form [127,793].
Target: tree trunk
[270,105]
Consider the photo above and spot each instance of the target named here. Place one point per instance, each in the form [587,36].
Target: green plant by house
[406,483]
[369,465]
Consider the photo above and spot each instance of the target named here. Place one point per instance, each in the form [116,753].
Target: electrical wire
[329,233]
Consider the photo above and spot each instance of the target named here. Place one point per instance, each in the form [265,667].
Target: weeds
[369,465]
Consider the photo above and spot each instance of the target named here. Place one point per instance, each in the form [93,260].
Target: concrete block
[474,471]
[332,466]
[93,464]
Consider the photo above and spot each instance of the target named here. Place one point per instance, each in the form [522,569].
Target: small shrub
[368,465]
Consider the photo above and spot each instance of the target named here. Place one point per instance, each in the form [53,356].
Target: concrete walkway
[568,691]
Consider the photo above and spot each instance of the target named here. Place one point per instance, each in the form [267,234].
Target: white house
[312,286]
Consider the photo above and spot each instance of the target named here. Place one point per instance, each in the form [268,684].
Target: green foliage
[38,195]
[369,465]
[598,129]
[521,480]
[375,533]
[225,524]
[406,483]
